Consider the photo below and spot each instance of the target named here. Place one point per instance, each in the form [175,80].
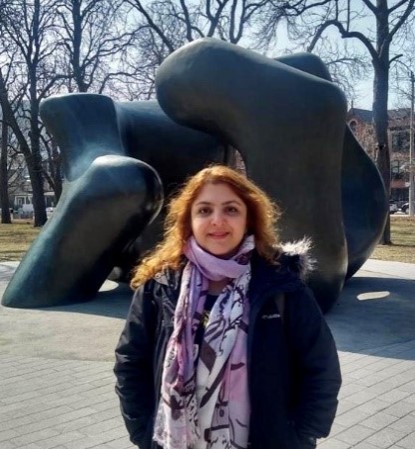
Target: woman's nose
[217,217]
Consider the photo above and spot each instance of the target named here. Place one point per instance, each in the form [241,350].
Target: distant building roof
[366,116]
[363,114]
[399,114]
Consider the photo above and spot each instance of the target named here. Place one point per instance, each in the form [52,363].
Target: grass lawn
[15,239]
[403,239]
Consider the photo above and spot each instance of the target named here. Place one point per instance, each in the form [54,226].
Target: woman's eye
[232,210]
[203,211]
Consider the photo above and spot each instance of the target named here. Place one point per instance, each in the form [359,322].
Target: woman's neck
[216,287]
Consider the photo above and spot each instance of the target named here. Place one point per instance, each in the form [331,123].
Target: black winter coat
[293,366]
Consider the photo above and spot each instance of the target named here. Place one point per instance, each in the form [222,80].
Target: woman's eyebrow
[225,203]
[232,201]
[202,202]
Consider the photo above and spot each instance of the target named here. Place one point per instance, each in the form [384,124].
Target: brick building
[360,122]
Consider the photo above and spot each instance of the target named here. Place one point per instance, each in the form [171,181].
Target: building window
[353,125]
[397,170]
[400,141]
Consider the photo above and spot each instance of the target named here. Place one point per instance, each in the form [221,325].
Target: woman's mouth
[218,235]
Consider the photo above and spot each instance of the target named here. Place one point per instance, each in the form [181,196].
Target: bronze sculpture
[289,126]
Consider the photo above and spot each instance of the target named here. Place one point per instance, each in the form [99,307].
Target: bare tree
[165,25]
[8,172]
[95,36]
[12,170]
[28,27]
[4,153]
[311,21]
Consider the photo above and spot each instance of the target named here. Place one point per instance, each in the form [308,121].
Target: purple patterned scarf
[207,406]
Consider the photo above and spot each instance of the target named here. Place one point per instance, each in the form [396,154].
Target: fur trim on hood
[296,256]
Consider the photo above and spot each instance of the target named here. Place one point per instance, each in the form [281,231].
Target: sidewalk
[57,386]
[374,327]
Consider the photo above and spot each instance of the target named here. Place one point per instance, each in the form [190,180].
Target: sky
[364,95]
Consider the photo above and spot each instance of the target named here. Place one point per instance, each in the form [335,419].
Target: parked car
[405,208]
[49,211]
[393,207]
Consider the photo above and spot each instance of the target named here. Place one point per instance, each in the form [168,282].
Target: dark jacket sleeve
[134,367]
[316,366]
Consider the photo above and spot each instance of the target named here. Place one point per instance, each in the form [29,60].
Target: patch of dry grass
[16,238]
[403,239]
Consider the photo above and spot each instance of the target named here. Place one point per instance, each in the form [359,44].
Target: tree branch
[370,5]
[187,20]
[409,10]
[152,24]
[395,7]
[344,34]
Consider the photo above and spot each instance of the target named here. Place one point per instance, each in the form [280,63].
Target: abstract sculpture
[109,196]
[120,158]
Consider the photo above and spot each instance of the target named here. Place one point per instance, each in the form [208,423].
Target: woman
[224,346]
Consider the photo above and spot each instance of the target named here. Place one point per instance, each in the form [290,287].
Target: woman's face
[218,219]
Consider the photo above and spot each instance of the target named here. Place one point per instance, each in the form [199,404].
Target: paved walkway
[57,386]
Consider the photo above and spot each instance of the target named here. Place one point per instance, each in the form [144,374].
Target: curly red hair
[262,215]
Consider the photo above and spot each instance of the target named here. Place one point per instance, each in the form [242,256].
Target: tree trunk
[35,168]
[39,204]
[4,192]
[32,159]
[380,123]
[78,71]
[53,175]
